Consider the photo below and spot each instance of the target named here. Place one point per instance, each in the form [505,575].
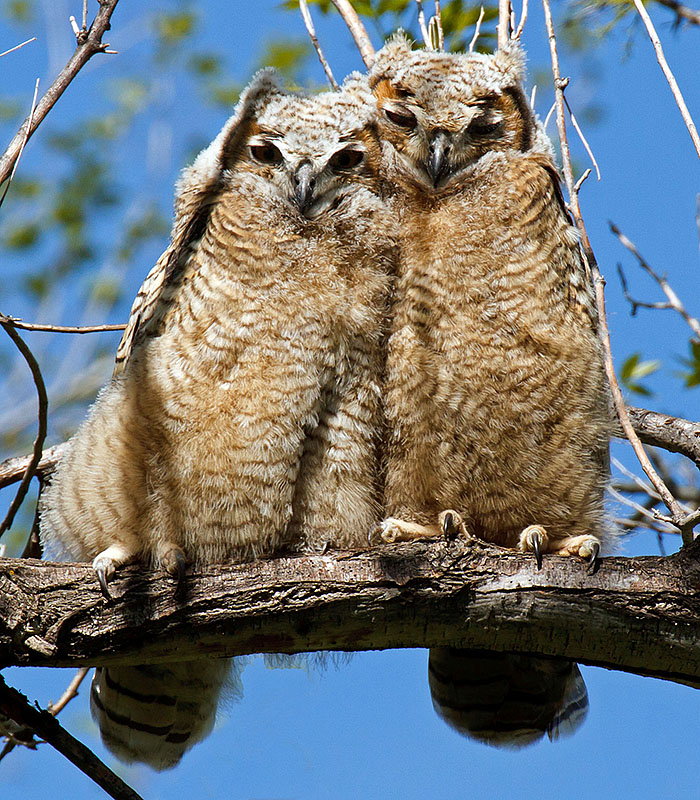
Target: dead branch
[463,593]
[423,27]
[436,30]
[12,469]
[503,28]
[17,47]
[15,322]
[477,30]
[670,78]
[357,30]
[89,43]
[45,725]
[674,302]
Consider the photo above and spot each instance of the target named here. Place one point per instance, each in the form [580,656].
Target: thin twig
[357,29]
[41,427]
[23,145]
[638,508]
[70,692]
[85,2]
[680,102]
[17,46]
[523,20]
[17,707]
[423,27]
[477,30]
[503,22]
[674,301]
[582,138]
[80,57]
[579,182]
[437,21]
[678,516]
[306,16]
[549,115]
[533,95]
[33,326]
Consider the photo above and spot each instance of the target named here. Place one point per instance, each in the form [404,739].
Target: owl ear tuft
[510,60]
[395,50]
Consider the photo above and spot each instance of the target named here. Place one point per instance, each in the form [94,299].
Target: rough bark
[640,615]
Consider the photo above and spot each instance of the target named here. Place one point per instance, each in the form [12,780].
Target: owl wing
[579,279]
[196,192]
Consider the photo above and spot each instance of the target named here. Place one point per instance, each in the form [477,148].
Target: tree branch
[682,12]
[461,593]
[45,725]
[670,433]
[89,43]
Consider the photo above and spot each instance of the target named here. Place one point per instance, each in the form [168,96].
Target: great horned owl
[243,415]
[496,398]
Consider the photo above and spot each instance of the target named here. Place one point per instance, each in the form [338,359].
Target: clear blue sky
[368,729]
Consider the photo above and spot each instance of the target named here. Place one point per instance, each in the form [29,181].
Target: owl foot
[534,539]
[586,546]
[398,530]
[452,524]
[106,562]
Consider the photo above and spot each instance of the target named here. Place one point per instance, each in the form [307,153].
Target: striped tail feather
[506,699]
[154,713]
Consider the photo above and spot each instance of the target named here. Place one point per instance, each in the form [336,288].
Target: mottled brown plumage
[495,393]
[243,415]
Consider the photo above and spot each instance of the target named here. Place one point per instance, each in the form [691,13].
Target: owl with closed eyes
[496,397]
[244,411]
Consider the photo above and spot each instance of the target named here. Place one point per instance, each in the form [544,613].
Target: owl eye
[347,158]
[482,127]
[266,153]
[404,119]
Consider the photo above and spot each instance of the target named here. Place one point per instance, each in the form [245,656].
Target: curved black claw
[102,580]
[450,528]
[536,550]
[592,560]
[181,569]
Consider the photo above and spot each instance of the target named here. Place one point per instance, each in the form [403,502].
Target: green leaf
[22,236]
[633,370]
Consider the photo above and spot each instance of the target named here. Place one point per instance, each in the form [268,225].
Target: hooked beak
[438,160]
[304,185]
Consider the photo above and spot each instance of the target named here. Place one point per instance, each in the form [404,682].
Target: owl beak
[438,159]
[304,185]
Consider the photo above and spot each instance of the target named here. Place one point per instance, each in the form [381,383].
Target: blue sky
[368,728]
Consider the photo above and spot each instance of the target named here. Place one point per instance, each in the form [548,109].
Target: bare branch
[582,138]
[22,146]
[71,691]
[463,593]
[18,708]
[477,30]
[436,21]
[91,45]
[306,15]
[523,19]
[579,182]
[503,22]
[17,47]
[680,102]
[674,301]
[15,322]
[423,27]
[13,469]
[41,428]
[357,29]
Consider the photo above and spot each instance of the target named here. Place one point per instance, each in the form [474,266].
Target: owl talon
[452,524]
[536,550]
[534,540]
[102,580]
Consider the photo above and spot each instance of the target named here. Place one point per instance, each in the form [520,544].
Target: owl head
[439,113]
[306,154]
